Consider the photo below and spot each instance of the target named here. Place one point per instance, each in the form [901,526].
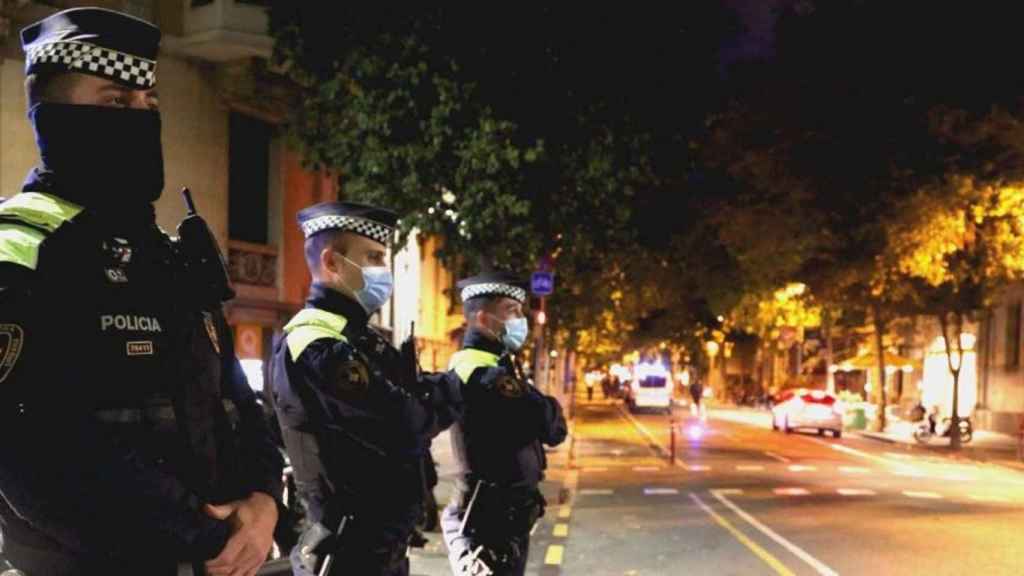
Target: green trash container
[856,419]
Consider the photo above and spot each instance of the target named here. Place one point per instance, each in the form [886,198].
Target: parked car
[807,409]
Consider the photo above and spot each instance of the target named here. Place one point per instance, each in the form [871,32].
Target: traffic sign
[542,283]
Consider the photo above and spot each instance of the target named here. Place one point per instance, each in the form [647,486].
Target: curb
[960,457]
[879,438]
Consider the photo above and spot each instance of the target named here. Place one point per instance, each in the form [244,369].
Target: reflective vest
[149,362]
[465,361]
[26,220]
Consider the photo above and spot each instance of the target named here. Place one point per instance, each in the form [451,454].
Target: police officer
[132,442]
[356,417]
[498,444]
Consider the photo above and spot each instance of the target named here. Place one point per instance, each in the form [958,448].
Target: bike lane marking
[560,531]
[754,547]
[800,553]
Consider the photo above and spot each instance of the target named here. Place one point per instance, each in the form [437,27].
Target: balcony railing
[252,264]
[217,30]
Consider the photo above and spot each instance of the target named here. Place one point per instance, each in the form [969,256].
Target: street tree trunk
[879,322]
[830,377]
[954,370]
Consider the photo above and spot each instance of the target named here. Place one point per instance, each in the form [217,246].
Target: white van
[651,387]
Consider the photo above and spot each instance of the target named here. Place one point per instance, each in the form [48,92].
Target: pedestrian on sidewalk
[497,446]
[590,390]
[697,408]
[357,416]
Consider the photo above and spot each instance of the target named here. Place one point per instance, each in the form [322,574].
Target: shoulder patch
[352,375]
[508,386]
[11,339]
[500,381]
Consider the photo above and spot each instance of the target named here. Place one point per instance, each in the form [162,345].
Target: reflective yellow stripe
[468,359]
[40,209]
[20,244]
[312,324]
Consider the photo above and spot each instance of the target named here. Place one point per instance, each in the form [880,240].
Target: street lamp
[712,348]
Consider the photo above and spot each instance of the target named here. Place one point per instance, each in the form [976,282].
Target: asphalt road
[743,500]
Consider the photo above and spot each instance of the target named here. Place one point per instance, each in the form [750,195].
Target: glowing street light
[712,347]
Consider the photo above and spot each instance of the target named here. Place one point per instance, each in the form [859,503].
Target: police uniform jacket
[356,432]
[122,406]
[506,420]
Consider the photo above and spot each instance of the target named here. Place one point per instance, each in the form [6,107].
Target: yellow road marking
[758,551]
[554,555]
[561,530]
[564,512]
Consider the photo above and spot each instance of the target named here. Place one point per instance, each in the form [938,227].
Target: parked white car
[807,409]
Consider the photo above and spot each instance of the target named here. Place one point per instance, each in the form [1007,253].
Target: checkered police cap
[493,284]
[94,41]
[374,223]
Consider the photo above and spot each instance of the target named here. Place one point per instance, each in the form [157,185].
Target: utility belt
[493,511]
[319,548]
[159,416]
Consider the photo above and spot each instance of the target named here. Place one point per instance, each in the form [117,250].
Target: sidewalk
[985,446]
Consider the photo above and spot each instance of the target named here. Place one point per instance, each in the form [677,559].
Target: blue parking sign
[542,283]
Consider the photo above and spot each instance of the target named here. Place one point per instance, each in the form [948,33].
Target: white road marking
[698,468]
[646,468]
[853,470]
[909,473]
[799,468]
[779,568]
[993,499]
[595,469]
[730,491]
[791,492]
[813,562]
[751,468]
[777,457]
[855,452]
[924,495]
[596,492]
[856,492]
[643,430]
[660,491]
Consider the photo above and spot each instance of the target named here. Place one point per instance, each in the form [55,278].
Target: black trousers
[369,565]
[52,562]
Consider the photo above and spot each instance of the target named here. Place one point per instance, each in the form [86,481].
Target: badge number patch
[11,339]
[117,275]
[142,348]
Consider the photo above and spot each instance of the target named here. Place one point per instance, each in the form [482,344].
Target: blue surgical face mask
[516,330]
[377,286]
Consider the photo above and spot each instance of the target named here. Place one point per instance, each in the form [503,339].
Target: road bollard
[672,443]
